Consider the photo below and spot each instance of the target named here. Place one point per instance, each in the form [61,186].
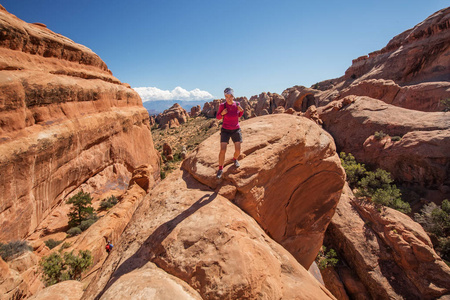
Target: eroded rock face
[425,96]
[196,111]
[402,263]
[420,54]
[172,117]
[64,118]
[289,180]
[203,239]
[66,290]
[422,154]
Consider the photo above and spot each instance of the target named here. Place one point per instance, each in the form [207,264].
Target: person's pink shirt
[231,118]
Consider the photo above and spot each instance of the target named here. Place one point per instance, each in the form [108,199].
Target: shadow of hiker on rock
[152,247]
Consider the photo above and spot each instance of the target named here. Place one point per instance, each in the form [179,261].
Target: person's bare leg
[223,150]
[237,150]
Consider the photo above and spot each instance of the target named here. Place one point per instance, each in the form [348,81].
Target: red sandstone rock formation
[195,111]
[210,109]
[284,159]
[391,254]
[64,119]
[300,98]
[420,54]
[172,117]
[421,156]
[425,96]
[66,290]
[203,239]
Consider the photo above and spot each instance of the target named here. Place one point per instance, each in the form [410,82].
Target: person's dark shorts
[235,135]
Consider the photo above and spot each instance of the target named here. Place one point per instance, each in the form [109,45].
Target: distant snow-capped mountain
[156,107]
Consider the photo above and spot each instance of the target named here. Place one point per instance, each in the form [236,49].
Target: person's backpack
[108,248]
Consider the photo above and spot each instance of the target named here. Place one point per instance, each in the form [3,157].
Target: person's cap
[228,91]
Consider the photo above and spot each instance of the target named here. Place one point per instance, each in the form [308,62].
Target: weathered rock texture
[63,119]
[172,117]
[200,237]
[425,96]
[422,155]
[289,180]
[402,263]
[66,290]
[420,54]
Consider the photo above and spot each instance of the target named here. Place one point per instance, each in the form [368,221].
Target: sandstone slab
[289,180]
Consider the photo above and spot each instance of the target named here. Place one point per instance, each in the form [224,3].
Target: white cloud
[178,93]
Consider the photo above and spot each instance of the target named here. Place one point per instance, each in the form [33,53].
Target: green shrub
[57,268]
[108,202]
[396,138]
[446,104]
[436,221]
[51,243]
[13,249]
[374,185]
[326,259]
[65,246]
[355,171]
[162,174]
[87,223]
[74,231]
[81,208]
[379,135]
[391,197]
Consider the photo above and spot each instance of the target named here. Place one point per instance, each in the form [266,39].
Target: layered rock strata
[63,119]
[286,160]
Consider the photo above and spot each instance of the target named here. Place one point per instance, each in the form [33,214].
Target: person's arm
[241,110]
[219,115]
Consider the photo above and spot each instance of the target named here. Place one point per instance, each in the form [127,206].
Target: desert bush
[326,259]
[379,135]
[81,208]
[57,268]
[13,249]
[109,202]
[74,231]
[446,104]
[376,186]
[396,138]
[51,243]
[436,221]
[373,181]
[355,171]
[391,197]
[65,246]
[87,223]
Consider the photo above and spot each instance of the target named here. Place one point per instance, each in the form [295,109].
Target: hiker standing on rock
[230,111]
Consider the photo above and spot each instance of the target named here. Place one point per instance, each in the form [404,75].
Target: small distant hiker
[109,246]
[230,111]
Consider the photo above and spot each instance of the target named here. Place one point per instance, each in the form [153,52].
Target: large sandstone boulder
[203,239]
[422,155]
[66,290]
[172,117]
[64,119]
[390,253]
[289,180]
[420,54]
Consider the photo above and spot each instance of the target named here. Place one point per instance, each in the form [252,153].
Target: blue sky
[199,47]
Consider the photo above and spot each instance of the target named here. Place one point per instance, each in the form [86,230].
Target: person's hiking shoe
[236,163]
[219,174]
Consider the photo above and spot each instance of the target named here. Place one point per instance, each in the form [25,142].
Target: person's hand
[240,108]
[224,112]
